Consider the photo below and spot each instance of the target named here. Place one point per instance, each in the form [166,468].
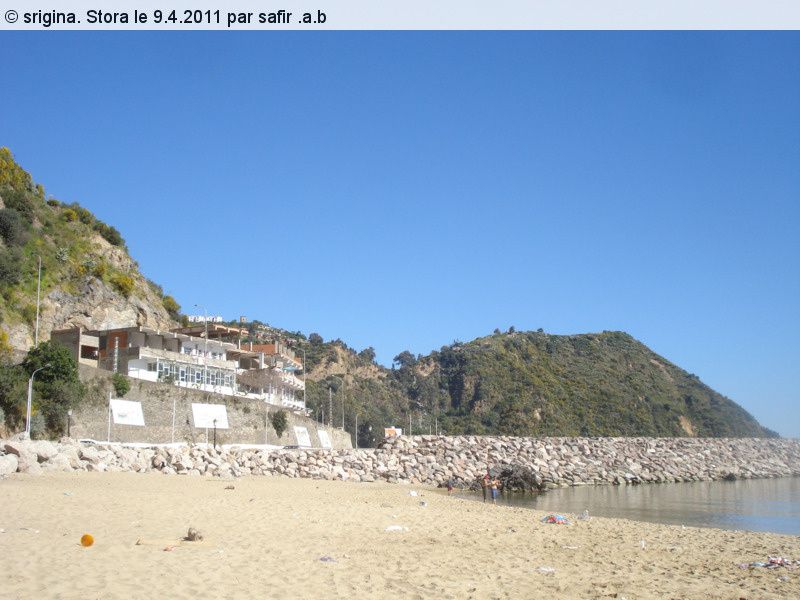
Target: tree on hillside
[405,359]
[315,339]
[368,354]
[57,386]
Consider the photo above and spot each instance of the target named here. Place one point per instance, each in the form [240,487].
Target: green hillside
[529,383]
[77,250]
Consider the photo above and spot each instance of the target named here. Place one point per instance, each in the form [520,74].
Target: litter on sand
[546,570]
[556,519]
[413,493]
[326,558]
[391,528]
[772,562]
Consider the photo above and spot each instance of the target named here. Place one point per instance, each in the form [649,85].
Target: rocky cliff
[88,277]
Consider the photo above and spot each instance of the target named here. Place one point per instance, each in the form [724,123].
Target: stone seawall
[432,460]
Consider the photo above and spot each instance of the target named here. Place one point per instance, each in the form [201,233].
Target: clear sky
[403,190]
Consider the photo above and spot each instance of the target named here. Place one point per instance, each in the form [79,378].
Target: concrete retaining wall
[248,419]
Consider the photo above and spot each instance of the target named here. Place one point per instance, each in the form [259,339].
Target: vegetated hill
[526,383]
[88,278]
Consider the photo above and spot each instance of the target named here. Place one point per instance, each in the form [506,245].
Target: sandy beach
[265,538]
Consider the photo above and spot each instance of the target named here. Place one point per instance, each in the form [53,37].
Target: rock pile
[433,460]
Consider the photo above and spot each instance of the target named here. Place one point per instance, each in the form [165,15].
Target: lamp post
[205,345]
[30,398]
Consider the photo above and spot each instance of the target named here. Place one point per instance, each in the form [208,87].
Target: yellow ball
[87,540]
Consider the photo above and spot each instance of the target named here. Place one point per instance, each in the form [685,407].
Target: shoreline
[266,537]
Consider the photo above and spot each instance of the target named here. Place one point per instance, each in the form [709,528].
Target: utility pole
[330,408]
[356,436]
[304,378]
[38,288]
[343,395]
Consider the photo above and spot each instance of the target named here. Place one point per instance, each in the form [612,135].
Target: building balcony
[181,358]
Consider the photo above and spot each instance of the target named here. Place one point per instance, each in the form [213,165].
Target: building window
[151,366]
[182,373]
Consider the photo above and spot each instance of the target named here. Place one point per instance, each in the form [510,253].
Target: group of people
[490,485]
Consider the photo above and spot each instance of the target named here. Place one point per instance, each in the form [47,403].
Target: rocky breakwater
[539,463]
[522,463]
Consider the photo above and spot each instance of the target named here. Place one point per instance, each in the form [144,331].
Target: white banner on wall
[324,439]
[303,439]
[208,416]
[127,412]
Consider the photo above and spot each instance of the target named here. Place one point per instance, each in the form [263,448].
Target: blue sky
[403,190]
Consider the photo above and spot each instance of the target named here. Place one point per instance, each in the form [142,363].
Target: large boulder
[27,460]
[44,450]
[90,454]
[8,464]
[59,462]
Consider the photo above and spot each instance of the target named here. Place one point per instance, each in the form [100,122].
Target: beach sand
[265,538]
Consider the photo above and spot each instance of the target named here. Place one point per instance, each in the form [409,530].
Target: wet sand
[265,539]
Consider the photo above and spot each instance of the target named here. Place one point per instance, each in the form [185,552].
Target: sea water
[751,504]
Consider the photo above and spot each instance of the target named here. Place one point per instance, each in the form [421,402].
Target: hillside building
[210,365]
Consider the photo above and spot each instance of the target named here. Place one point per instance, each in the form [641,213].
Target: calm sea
[753,504]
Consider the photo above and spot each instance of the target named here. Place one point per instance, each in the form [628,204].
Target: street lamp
[30,398]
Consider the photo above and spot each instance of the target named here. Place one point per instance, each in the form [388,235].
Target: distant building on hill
[202,319]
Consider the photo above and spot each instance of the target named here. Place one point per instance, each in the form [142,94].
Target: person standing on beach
[495,488]
[485,485]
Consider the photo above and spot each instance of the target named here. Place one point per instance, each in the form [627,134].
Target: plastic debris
[556,519]
[585,515]
[87,540]
[570,547]
[193,535]
[423,503]
[772,562]
[642,544]
[413,493]
[327,559]
[392,528]
[546,570]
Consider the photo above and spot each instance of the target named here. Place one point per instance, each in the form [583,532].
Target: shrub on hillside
[122,283]
[10,259]
[20,201]
[11,174]
[99,269]
[84,215]
[29,313]
[70,215]
[172,307]
[13,228]
[121,384]
[279,422]
[109,233]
